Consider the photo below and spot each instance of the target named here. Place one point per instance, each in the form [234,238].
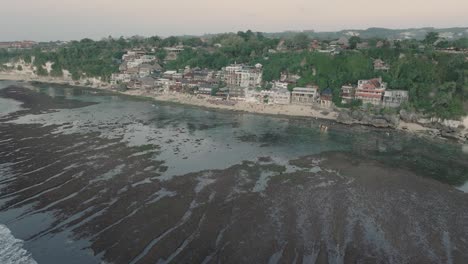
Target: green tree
[431,38]
[353,41]
[300,41]
[41,71]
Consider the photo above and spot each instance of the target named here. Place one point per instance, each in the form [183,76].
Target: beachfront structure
[277,96]
[371,91]
[117,78]
[394,98]
[347,93]
[326,98]
[240,77]
[236,92]
[304,95]
[273,96]
[243,76]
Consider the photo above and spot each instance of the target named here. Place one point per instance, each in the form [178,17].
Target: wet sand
[333,207]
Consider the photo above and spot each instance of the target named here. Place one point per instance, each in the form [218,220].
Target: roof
[327,91]
[305,89]
[147,81]
[371,84]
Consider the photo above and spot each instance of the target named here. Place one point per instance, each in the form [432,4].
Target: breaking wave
[11,249]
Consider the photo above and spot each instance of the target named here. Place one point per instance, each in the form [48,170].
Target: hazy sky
[76,19]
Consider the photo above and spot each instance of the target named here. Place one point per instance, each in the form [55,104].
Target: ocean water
[104,177]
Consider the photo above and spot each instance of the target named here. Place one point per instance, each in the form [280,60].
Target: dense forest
[437,81]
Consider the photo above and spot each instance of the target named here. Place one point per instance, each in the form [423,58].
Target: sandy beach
[203,101]
[199,100]
[316,112]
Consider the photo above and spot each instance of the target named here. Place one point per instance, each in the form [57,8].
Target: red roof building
[371,91]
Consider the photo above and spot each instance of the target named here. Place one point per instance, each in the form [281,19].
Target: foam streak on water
[11,249]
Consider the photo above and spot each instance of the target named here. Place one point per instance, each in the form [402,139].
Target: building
[380,65]
[243,76]
[117,78]
[240,77]
[347,93]
[169,74]
[253,96]
[176,50]
[277,96]
[305,96]
[371,91]
[147,70]
[280,85]
[26,44]
[326,98]
[236,92]
[394,98]
[206,89]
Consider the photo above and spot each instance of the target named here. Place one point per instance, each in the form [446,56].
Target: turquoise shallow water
[67,164]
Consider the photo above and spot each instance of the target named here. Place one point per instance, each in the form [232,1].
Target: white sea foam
[11,249]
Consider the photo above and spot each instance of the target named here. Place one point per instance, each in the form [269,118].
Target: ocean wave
[11,249]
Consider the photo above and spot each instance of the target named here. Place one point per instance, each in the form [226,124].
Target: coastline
[314,112]
[240,106]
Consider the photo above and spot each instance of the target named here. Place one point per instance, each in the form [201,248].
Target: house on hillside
[371,91]
[169,74]
[148,69]
[347,93]
[380,65]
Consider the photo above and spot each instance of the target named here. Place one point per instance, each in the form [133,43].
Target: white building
[243,76]
[394,98]
[280,85]
[169,74]
[277,96]
[304,95]
[120,78]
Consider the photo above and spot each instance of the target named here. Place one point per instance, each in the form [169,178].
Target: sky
[44,20]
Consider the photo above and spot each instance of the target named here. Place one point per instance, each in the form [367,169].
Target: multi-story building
[305,95]
[371,91]
[394,98]
[277,96]
[240,77]
[347,93]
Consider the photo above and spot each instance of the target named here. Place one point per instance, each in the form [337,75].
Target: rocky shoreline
[406,121]
[449,129]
